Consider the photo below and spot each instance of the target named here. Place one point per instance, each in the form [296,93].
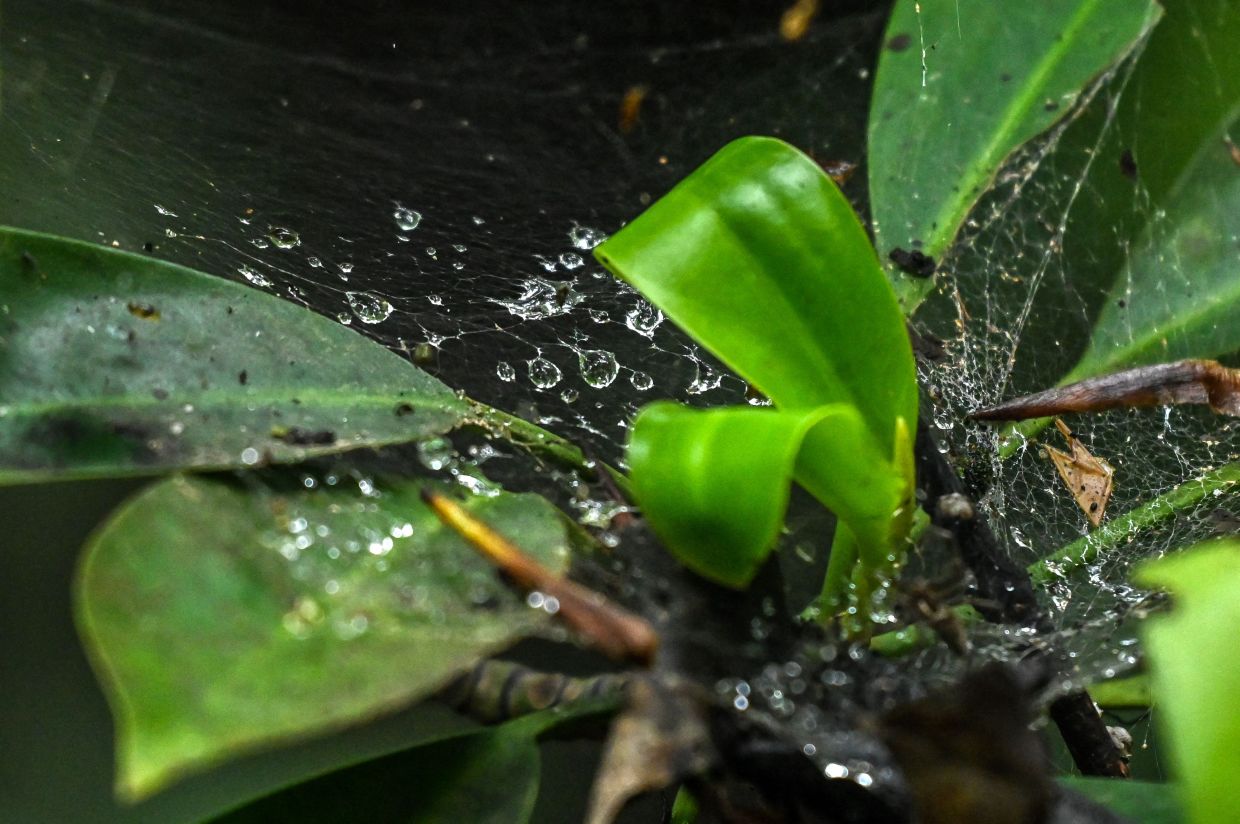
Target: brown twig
[1186,381]
[616,632]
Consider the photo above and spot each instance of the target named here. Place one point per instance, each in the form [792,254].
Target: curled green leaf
[714,483]
[762,260]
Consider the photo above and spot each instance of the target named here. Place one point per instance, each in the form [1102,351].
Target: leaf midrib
[976,173]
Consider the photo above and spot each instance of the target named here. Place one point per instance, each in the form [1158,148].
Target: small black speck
[1123,304]
[916,264]
[1051,105]
[403,409]
[1128,165]
[160,394]
[243,377]
[1005,77]
[1093,507]
[230,310]
[148,247]
[899,43]
[296,436]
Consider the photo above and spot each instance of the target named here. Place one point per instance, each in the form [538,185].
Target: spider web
[436,179]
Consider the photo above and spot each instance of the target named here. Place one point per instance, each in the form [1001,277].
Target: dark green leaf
[1192,655]
[487,776]
[222,618]
[1142,801]
[759,257]
[1179,295]
[961,84]
[115,364]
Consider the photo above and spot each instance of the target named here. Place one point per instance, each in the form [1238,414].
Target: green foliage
[759,257]
[1193,667]
[1173,292]
[220,619]
[489,776]
[962,84]
[115,364]
[1143,801]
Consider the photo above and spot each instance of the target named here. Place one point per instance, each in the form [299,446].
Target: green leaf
[1145,801]
[759,257]
[1193,664]
[961,84]
[222,618]
[488,776]
[714,483]
[1132,691]
[1168,260]
[115,364]
[1179,295]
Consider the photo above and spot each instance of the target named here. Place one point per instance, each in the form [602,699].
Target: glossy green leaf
[114,364]
[1167,258]
[223,618]
[489,776]
[1179,295]
[759,257]
[1196,674]
[961,84]
[1132,691]
[1146,802]
[714,483]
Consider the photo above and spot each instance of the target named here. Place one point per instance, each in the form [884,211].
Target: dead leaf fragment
[1089,479]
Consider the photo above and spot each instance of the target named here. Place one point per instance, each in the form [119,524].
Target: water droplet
[346,269]
[543,373]
[283,238]
[583,237]
[369,308]
[435,453]
[598,367]
[249,456]
[641,381]
[253,276]
[505,372]
[571,260]
[542,299]
[314,262]
[344,317]
[165,212]
[569,396]
[406,219]
[643,318]
[705,380]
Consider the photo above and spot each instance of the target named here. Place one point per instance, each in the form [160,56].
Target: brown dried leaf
[1089,479]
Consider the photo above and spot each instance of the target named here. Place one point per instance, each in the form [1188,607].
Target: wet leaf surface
[115,364]
[960,86]
[223,618]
